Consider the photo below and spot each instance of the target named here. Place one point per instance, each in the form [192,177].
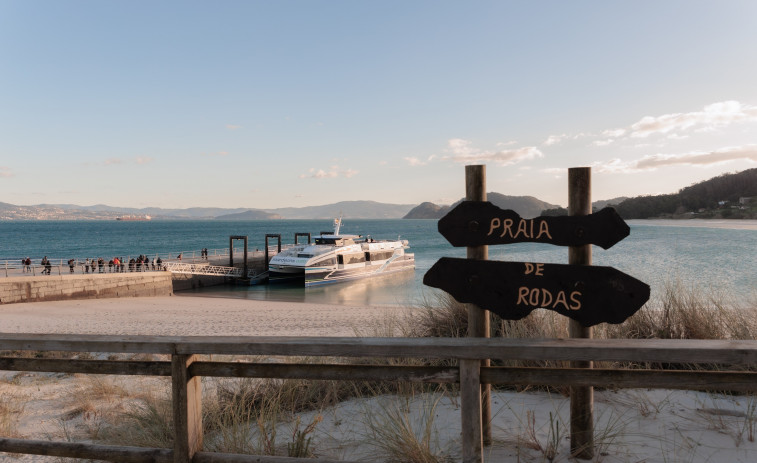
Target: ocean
[715,257]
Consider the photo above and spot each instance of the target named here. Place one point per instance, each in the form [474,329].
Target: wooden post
[187,409]
[581,398]
[470,411]
[479,400]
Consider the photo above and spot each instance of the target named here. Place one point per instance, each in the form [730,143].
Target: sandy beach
[189,316]
[631,425]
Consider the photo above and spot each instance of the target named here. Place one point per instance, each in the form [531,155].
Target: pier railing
[61,266]
[187,367]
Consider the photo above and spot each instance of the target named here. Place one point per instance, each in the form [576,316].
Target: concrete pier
[88,286]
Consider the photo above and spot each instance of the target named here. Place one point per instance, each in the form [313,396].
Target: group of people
[47,266]
[97,265]
[119,264]
[114,265]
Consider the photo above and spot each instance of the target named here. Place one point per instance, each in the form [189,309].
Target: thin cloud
[674,126]
[656,161]
[464,152]
[712,116]
[414,161]
[332,172]
[113,161]
[233,127]
[6,172]
[144,159]
[555,139]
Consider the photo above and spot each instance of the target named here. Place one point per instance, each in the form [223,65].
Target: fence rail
[61,266]
[186,369]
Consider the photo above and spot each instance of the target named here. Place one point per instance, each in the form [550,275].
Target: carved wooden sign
[587,294]
[477,223]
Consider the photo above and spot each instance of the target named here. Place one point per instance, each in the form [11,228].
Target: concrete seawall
[93,286]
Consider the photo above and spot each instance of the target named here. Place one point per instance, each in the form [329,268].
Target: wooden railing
[186,369]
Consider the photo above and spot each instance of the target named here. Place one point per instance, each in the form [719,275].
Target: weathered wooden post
[581,398]
[475,398]
[187,409]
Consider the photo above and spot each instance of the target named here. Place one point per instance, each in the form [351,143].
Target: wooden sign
[477,223]
[587,294]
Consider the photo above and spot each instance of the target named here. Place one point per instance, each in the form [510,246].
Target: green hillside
[718,197]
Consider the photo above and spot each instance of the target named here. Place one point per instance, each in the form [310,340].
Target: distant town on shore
[728,196]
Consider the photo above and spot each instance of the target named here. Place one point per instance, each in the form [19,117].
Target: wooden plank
[86,451]
[512,290]
[104,367]
[187,409]
[640,350]
[326,372]
[478,222]
[470,411]
[689,380]
[208,457]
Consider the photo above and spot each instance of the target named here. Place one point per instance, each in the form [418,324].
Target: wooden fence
[186,369]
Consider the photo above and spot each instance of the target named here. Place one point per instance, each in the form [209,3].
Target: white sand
[632,425]
[188,316]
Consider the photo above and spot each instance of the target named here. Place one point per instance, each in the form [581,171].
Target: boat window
[325,241]
[305,255]
[380,255]
[322,262]
[353,258]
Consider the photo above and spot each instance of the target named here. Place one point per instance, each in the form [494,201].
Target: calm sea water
[719,257]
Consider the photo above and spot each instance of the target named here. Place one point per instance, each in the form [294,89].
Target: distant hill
[525,206]
[427,210]
[710,198]
[597,205]
[252,214]
[349,209]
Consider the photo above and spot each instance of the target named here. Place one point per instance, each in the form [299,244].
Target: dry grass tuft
[402,429]
[146,422]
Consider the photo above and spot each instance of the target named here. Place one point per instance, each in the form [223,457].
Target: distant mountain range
[525,206]
[351,209]
[722,196]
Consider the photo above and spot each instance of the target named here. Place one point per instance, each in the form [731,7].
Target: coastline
[731,224]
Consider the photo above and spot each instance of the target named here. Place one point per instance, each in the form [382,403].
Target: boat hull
[324,276]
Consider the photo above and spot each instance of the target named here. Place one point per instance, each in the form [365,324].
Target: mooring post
[475,400]
[231,251]
[581,398]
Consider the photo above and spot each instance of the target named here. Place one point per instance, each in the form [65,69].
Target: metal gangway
[203,269]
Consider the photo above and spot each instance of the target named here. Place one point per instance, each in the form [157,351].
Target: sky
[267,104]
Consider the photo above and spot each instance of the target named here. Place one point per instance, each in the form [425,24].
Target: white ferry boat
[334,258]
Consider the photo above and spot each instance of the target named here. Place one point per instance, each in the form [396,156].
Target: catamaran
[334,257]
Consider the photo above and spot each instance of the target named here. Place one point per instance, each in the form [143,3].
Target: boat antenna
[337,224]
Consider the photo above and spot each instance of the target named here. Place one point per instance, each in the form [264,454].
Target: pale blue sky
[266,104]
